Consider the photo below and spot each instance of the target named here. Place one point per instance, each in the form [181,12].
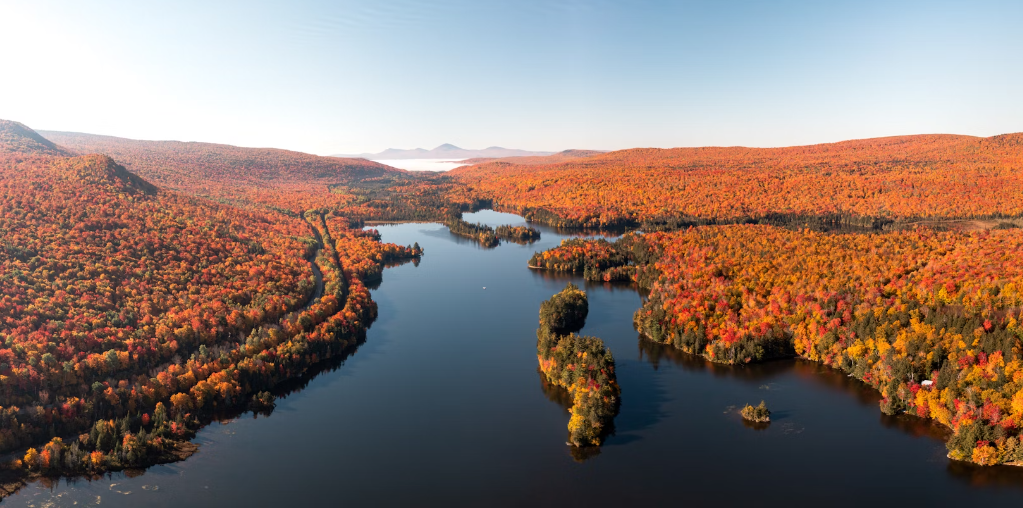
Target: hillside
[121,300]
[16,138]
[267,176]
[447,151]
[114,276]
[862,182]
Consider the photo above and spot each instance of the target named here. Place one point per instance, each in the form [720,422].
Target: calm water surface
[422,164]
[443,405]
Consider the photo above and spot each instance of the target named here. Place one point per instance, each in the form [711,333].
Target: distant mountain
[566,155]
[446,151]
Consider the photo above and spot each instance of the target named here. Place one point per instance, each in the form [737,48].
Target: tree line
[931,319]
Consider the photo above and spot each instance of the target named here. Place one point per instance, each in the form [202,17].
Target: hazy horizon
[361,77]
[384,160]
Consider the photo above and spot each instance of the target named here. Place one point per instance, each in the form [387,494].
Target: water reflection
[654,353]
[863,394]
[439,407]
[297,384]
[555,393]
[986,476]
[643,400]
[560,396]
[517,241]
[758,426]
[857,390]
[563,277]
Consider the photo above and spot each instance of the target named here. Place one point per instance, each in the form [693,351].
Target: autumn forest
[149,288]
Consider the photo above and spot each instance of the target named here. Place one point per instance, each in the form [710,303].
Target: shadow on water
[758,426]
[374,283]
[835,380]
[655,353]
[643,400]
[986,476]
[297,384]
[576,277]
[670,433]
[554,393]
[560,396]
[227,415]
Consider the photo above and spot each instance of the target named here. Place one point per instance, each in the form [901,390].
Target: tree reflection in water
[562,398]
[977,476]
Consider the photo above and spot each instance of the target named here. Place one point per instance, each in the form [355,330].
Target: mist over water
[443,405]
[422,164]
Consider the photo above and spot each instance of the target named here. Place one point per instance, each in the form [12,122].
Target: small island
[757,414]
[481,233]
[490,237]
[582,365]
[518,234]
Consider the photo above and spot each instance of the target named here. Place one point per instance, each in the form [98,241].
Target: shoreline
[643,336]
[13,476]
[779,348]
[12,481]
[1018,463]
[384,222]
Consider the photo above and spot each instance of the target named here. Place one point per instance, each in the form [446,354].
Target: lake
[422,164]
[443,405]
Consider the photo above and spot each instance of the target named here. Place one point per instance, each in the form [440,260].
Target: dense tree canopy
[931,319]
[862,183]
[278,180]
[566,311]
[140,309]
[144,288]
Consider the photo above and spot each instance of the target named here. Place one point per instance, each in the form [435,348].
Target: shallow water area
[443,405]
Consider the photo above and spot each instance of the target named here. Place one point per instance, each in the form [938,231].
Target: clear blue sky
[354,76]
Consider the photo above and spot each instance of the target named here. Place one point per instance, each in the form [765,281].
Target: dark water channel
[443,406]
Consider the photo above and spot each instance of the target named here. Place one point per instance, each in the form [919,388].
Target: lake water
[422,164]
[443,406]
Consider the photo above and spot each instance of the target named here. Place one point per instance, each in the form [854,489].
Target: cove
[443,405]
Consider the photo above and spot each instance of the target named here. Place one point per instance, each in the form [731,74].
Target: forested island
[490,237]
[481,233]
[756,414]
[517,234]
[580,364]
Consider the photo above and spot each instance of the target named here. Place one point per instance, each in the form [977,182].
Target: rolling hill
[267,176]
[863,182]
[116,276]
[120,299]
